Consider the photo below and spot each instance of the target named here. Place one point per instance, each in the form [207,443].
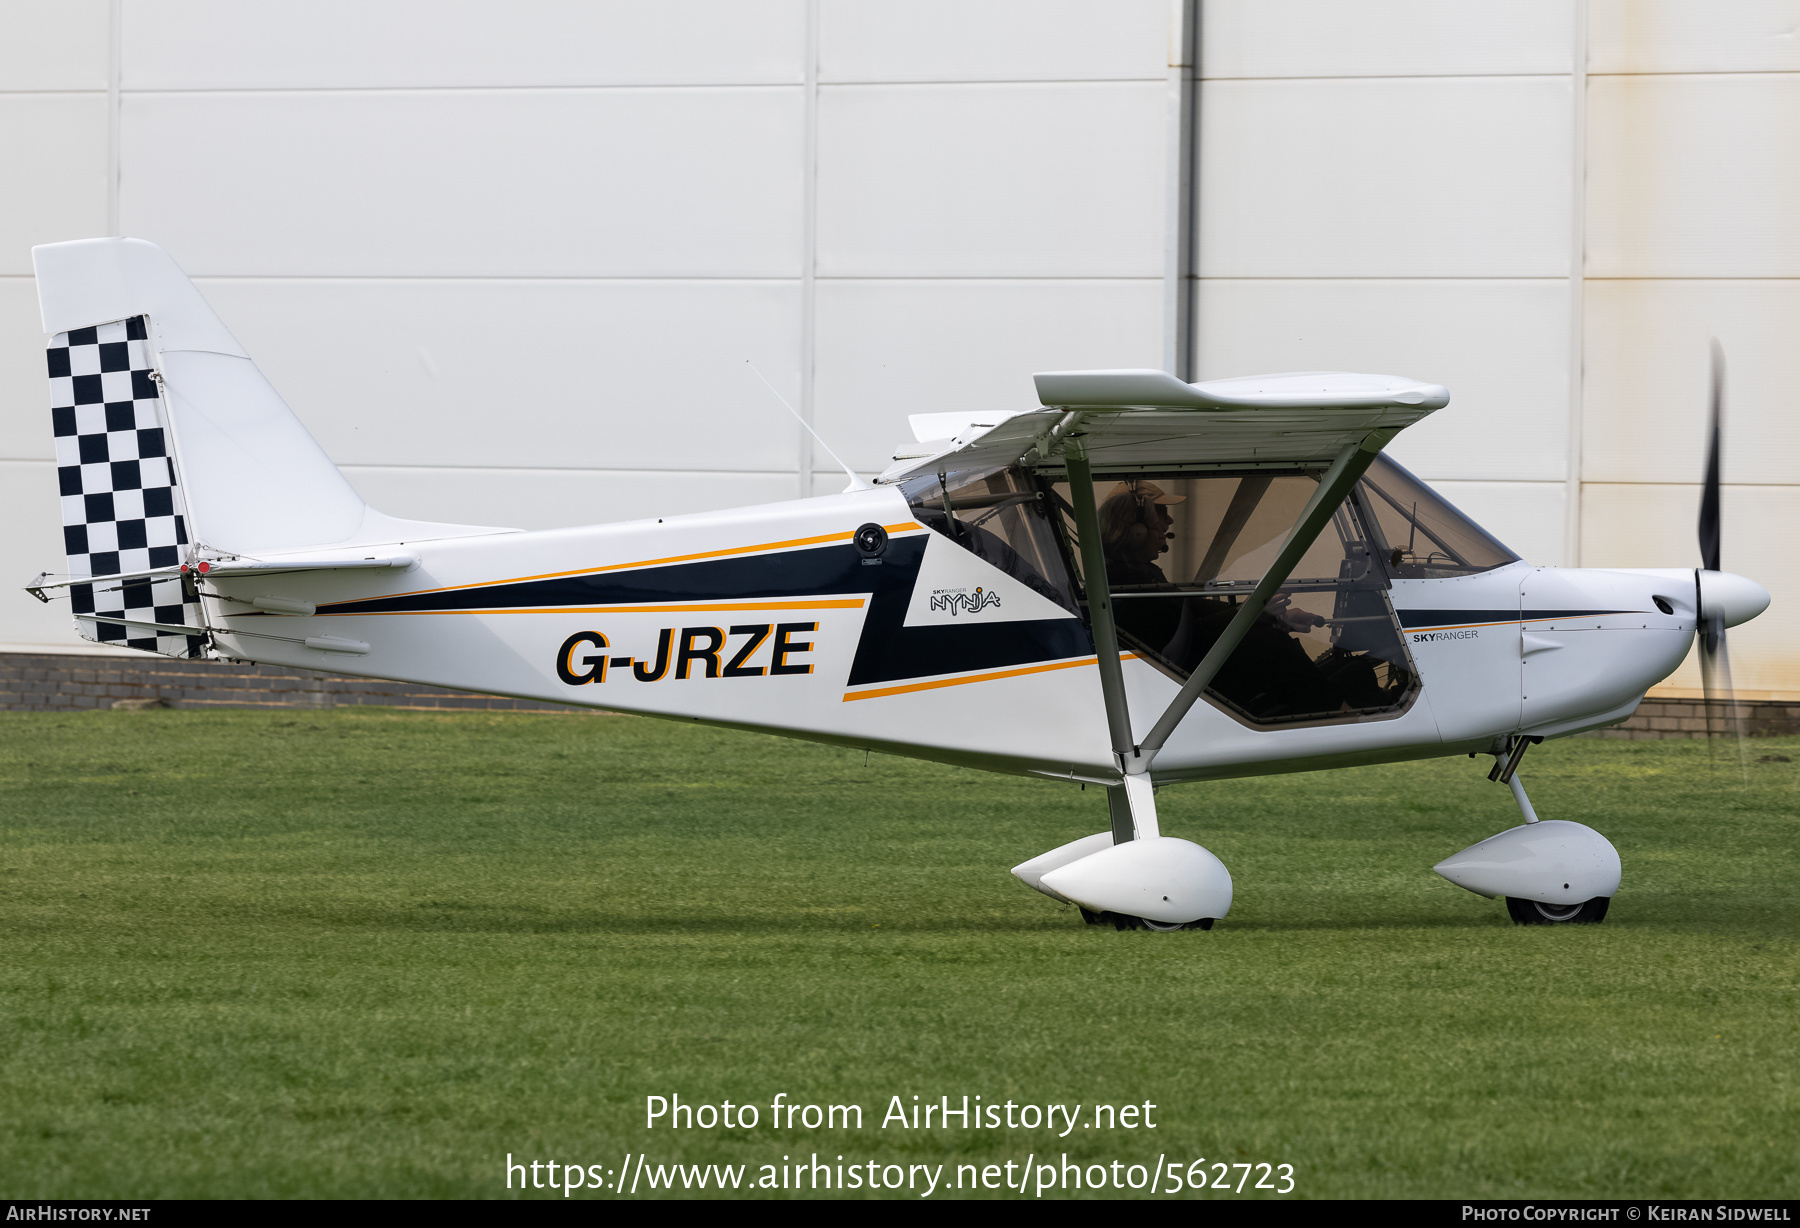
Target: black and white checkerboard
[121,511]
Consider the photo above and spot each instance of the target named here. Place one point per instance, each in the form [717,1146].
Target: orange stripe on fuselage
[1460,626]
[703,607]
[988,677]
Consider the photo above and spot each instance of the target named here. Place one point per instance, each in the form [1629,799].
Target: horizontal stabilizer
[321,643]
[226,568]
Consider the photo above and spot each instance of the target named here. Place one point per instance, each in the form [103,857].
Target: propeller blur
[1721,595]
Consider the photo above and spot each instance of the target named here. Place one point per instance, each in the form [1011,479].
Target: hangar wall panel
[1392,177]
[516,262]
[514,373]
[24,385]
[61,46]
[1693,187]
[1500,346]
[889,348]
[505,183]
[1694,176]
[33,516]
[1648,374]
[53,149]
[1668,36]
[993,40]
[1383,38]
[548,498]
[1017,180]
[355,44]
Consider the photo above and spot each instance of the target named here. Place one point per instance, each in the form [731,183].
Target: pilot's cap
[1137,488]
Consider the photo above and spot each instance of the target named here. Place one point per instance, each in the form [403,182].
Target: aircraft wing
[1151,418]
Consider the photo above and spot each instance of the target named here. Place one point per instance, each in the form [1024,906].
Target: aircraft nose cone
[1734,598]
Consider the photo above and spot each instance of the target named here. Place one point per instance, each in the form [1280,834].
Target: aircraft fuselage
[773,618]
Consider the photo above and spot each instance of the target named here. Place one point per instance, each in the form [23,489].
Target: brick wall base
[64,683]
[1691,718]
[54,682]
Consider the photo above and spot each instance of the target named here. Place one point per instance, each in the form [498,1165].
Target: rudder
[121,508]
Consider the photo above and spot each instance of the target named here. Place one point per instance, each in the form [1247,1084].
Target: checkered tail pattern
[121,511]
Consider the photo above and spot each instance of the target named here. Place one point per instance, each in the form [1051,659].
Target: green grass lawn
[370,953]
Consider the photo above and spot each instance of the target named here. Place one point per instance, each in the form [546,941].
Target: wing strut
[1099,603]
[1131,803]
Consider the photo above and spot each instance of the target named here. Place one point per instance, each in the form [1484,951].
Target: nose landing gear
[1549,872]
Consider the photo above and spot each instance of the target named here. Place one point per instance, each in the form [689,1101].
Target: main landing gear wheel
[1120,921]
[1530,912]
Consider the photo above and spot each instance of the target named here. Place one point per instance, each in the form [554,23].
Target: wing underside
[1155,420]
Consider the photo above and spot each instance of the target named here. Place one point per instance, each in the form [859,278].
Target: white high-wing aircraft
[1142,583]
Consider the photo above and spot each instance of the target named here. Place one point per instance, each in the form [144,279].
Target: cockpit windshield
[1418,534]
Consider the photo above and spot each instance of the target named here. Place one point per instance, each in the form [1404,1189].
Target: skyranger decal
[1431,637]
[963,599]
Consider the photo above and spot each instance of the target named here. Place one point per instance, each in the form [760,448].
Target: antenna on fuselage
[856,483]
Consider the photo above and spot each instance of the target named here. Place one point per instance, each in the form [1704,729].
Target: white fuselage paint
[1514,650]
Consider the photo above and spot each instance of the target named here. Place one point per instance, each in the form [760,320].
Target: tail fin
[171,447]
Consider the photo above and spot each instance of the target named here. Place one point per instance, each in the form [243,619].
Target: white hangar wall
[509,263]
[1549,206]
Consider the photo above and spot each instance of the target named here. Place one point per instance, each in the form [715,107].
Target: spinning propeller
[1716,590]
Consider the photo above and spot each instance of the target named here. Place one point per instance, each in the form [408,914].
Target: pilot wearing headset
[1135,526]
[1134,531]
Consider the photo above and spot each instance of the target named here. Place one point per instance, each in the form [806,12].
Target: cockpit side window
[1418,534]
[1184,550]
[1000,516]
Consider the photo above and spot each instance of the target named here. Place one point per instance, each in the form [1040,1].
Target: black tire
[1530,912]
[1121,921]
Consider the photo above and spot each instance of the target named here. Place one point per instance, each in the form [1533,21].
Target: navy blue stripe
[821,571]
[1411,619]
[887,652]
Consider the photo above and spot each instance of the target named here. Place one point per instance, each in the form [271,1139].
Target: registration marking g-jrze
[680,649]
